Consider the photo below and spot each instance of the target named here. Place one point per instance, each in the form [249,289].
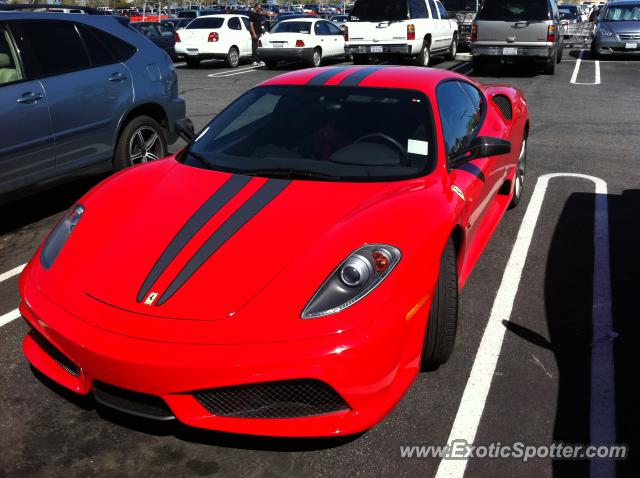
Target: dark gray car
[618,30]
[79,94]
[517,31]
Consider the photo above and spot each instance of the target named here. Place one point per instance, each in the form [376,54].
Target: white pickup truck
[418,29]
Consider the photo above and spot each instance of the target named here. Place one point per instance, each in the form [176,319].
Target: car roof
[622,2]
[300,19]
[223,15]
[402,77]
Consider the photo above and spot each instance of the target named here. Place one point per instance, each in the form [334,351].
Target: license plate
[631,46]
[509,51]
[377,49]
[192,52]
[278,45]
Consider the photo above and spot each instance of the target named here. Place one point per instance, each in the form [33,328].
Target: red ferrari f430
[292,270]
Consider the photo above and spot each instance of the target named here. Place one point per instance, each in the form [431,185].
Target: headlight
[605,32]
[58,238]
[356,277]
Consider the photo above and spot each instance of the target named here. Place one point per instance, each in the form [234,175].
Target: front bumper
[369,368]
[377,49]
[285,53]
[522,52]
[614,46]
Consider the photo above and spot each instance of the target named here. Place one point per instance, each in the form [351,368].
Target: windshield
[320,132]
[459,5]
[514,10]
[622,13]
[206,23]
[292,27]
[379,11]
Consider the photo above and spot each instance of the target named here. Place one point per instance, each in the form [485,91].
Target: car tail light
[474,32]
[551,33]
[178,38]
[411,32]
[213,37]
[346,33]
[299,44]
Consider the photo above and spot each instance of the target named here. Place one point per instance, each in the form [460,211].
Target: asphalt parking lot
[531,307]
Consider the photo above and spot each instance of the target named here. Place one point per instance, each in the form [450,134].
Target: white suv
[416,29]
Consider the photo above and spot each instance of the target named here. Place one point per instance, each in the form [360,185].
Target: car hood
[199,245]
[631,26]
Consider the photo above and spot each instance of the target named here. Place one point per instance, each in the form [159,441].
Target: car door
[322,38]
[462,110]
[236,36]
[27,147]
[448,26]
[437,33]
[246,49]
[337,39]
[87,93]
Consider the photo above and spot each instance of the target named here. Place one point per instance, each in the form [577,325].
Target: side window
[10,67]
[418,9]
[434,10]
[554,9]
[120,49]
[334,29]
[442,10]
[98,53]
[245,20]
[234,24]
[321,28]
[57,46]
[458,115]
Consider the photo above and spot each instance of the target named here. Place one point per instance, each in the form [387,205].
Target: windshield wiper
[288,173]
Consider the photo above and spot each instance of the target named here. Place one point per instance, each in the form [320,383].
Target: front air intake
[504,105]
[285,399]
[61,359]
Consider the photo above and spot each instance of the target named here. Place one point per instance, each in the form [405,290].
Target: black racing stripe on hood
[203,215]
[354,79]
[267,193]
[324,76]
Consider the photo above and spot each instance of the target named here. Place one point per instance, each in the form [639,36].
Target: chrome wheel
[426,55]
[454,47]
[145,145]
[317,58]
[234,58]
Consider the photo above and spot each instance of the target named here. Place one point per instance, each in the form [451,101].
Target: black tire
[594,52]
[424,57]
[560,53]
[316,58]
[453,48]
[440,336]
[193,62]
[550,66]
[359,59]
[479,65]
[233,57]
[271,64]
[129,143]
[518,179]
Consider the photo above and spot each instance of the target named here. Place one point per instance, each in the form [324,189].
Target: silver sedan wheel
[145,145]
[522,165]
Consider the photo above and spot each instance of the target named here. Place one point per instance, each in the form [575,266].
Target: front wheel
[233,57]
[440,335]
[142,140]
[453,49]
[316,58]
[518,179]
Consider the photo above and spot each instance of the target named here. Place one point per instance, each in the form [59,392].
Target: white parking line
[475,394]
[576,70]
[239,71]
[13,272]
[11,316]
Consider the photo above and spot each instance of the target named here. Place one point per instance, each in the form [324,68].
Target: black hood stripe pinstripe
[267,193]
[326,75]
[210,208]
[359,76]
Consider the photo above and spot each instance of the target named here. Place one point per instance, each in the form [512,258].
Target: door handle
[29,98]
[116,77]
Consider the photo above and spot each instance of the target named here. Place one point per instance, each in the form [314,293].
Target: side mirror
[480,147]
[184,128]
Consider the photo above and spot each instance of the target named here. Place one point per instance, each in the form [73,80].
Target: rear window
[379,11]
[321,133]
[514,10]
[206,23]
[292,27]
